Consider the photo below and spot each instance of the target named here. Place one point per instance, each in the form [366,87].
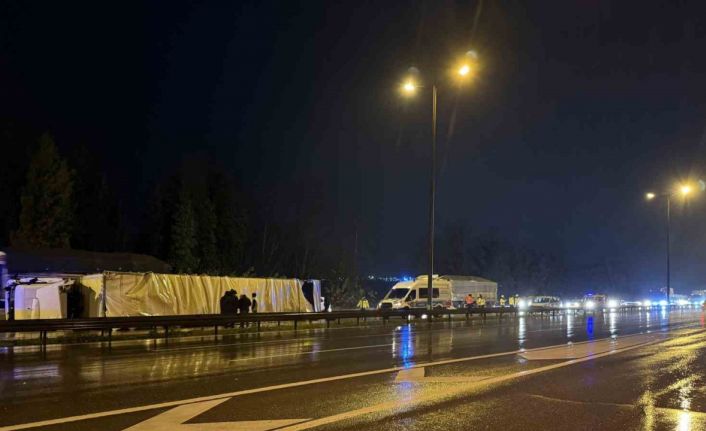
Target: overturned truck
[53,283]
[151,294]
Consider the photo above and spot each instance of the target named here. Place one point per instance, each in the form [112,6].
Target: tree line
[516,267]
[197,221]
[194,219]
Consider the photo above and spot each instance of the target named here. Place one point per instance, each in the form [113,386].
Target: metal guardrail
[108,324]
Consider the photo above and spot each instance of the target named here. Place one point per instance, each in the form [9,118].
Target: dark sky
[578,109]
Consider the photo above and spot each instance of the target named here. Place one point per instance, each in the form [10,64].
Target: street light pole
[409,88]
[669,246]
[684,190]
[432,203]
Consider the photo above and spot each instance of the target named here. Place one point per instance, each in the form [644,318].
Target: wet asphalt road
[649,374]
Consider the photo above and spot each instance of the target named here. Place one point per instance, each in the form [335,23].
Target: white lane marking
[455,391]
[263,389]
[581,350]
[238,393]
[595,404]
[418,375]
[173,420]
[308,352]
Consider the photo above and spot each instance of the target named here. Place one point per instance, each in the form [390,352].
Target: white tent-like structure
[41,299]
[151,294]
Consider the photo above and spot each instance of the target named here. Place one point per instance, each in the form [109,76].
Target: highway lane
[659,386]
[77,380]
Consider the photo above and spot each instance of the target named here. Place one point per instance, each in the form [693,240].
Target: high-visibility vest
[502,301]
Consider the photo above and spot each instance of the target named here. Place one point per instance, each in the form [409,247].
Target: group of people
[231,304]
[480,302]
[472,302]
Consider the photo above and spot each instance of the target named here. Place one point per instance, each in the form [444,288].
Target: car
[572,303]
[594,302]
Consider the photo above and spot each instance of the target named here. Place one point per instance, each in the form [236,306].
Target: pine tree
[97,224]
[46,213]
[231,226]
[207,225]
[183,235]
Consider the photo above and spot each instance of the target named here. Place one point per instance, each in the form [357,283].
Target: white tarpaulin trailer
[41,299]
[150,294]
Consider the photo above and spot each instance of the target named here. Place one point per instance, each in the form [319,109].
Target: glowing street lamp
[409,88]
[684,189]
[464,70]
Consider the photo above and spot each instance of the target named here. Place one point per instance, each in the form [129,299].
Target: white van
[414,294]
[448,291]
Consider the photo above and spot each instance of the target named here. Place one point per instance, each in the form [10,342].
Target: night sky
[578,109]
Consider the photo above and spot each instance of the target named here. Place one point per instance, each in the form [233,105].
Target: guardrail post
[295,324]
[357,321]
[328,323]
[215,333]
[258,326]
[110,338]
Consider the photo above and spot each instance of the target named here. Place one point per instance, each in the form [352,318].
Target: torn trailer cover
[150,294]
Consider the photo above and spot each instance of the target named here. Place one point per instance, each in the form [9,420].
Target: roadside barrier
[107,324]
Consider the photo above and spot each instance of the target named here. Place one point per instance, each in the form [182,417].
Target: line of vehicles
[449,291]
[601,302]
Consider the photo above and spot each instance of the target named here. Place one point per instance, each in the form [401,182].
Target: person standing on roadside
[229,305]
[469,301]
[253,306]
[244,304]
[224,303]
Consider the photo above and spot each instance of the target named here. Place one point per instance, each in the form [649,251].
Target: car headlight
[647,303]
[522,304]
[612,303]
[590,305]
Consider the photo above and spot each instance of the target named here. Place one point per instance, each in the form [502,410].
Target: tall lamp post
[683,190]
[409,88]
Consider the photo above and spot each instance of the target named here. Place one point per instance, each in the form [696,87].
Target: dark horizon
[579,109]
